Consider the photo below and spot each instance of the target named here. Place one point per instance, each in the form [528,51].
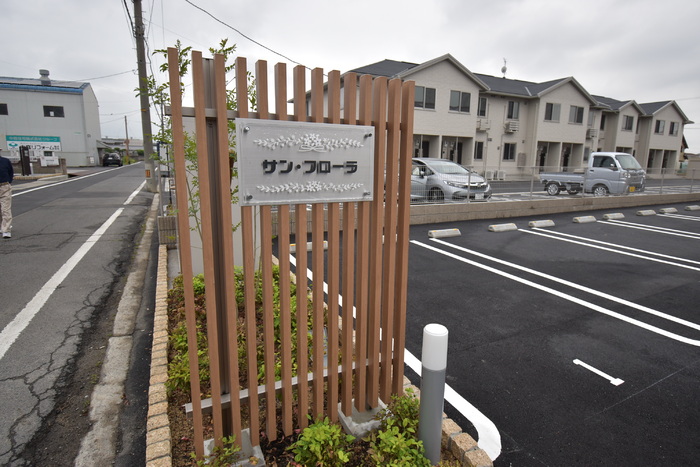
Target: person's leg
[6,208]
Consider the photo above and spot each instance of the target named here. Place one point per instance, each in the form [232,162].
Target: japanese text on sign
[298,162]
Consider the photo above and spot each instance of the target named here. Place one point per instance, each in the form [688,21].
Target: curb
[454,440]
[158,447]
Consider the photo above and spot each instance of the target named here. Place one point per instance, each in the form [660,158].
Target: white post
[432,389]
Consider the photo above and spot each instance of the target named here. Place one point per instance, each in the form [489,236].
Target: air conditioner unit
[482,124]
[511,126]
[591,133]
[501,174]
[488,175]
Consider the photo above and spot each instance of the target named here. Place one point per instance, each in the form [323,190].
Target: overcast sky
[645,50]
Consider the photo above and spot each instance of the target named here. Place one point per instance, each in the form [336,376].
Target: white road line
[663,230]
[615,381]
[565,296]
[64,181]
[597,293]
[612,250]
[20,322]
[489,437]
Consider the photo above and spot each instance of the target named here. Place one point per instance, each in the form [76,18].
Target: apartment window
[627,122]
[673,130]
[509,151]
[460,101]
[576,114]
[53,111]
[425,97]
[660,127]
[483,105]
[513,110]
[551,112]
[479,151]
[3,109]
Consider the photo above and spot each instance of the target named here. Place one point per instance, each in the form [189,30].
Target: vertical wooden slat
[266,269]
[284,280]
[268,320]
[247,228]
[317,254]
[333,264]
[251,334]
[348,283]
[376,229]
[389,268]
[226,240]
[207,242]
[301,267]
[184,247]
[406,152]
[362,271]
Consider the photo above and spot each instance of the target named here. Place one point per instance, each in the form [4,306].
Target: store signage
[43,143]
[282,162]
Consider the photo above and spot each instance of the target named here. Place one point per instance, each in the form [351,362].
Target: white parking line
[553,235]
[573,285]
[681,216]
[571,298]
[650,228]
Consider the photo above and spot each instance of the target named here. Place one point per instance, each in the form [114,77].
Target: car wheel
[436,194]
[600,190]
[552,189]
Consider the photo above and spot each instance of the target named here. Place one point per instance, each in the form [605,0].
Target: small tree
[159,95]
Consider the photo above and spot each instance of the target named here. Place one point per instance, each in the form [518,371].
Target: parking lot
[576,343]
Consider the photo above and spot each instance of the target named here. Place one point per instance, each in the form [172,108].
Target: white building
[54,118]
[504,127]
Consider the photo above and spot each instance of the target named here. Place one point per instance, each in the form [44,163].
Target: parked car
[607,173]
[439,179]
[111,158]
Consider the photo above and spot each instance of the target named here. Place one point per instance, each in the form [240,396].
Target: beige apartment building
[511,128]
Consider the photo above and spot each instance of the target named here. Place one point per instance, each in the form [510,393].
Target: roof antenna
[504,68]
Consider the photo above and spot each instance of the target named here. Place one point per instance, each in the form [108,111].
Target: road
[61,275]
[578,342]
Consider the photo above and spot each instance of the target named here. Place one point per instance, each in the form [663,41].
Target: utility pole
[126,141]
[151,184]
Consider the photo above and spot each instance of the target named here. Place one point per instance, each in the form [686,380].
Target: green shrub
[404,410]
[397,446]
[322,443]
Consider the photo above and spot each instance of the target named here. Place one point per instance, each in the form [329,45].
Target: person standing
[7,174]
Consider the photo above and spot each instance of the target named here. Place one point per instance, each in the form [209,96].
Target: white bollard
[432,389]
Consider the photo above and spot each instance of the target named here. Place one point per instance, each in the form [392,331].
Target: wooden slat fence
[357,324]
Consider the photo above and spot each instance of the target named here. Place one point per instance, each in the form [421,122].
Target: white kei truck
[607,173]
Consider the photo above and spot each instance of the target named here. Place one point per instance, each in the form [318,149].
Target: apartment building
[503,127]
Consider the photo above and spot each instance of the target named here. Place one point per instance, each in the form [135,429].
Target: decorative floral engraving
[308,142]
[310,187]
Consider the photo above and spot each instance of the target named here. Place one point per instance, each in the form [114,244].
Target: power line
[247,37]
[108,76]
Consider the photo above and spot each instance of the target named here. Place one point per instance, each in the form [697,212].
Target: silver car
[439,179]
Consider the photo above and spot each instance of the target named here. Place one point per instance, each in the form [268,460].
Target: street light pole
[151,184]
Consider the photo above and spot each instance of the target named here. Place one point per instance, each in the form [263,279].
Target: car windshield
[448,168]
[628,162]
